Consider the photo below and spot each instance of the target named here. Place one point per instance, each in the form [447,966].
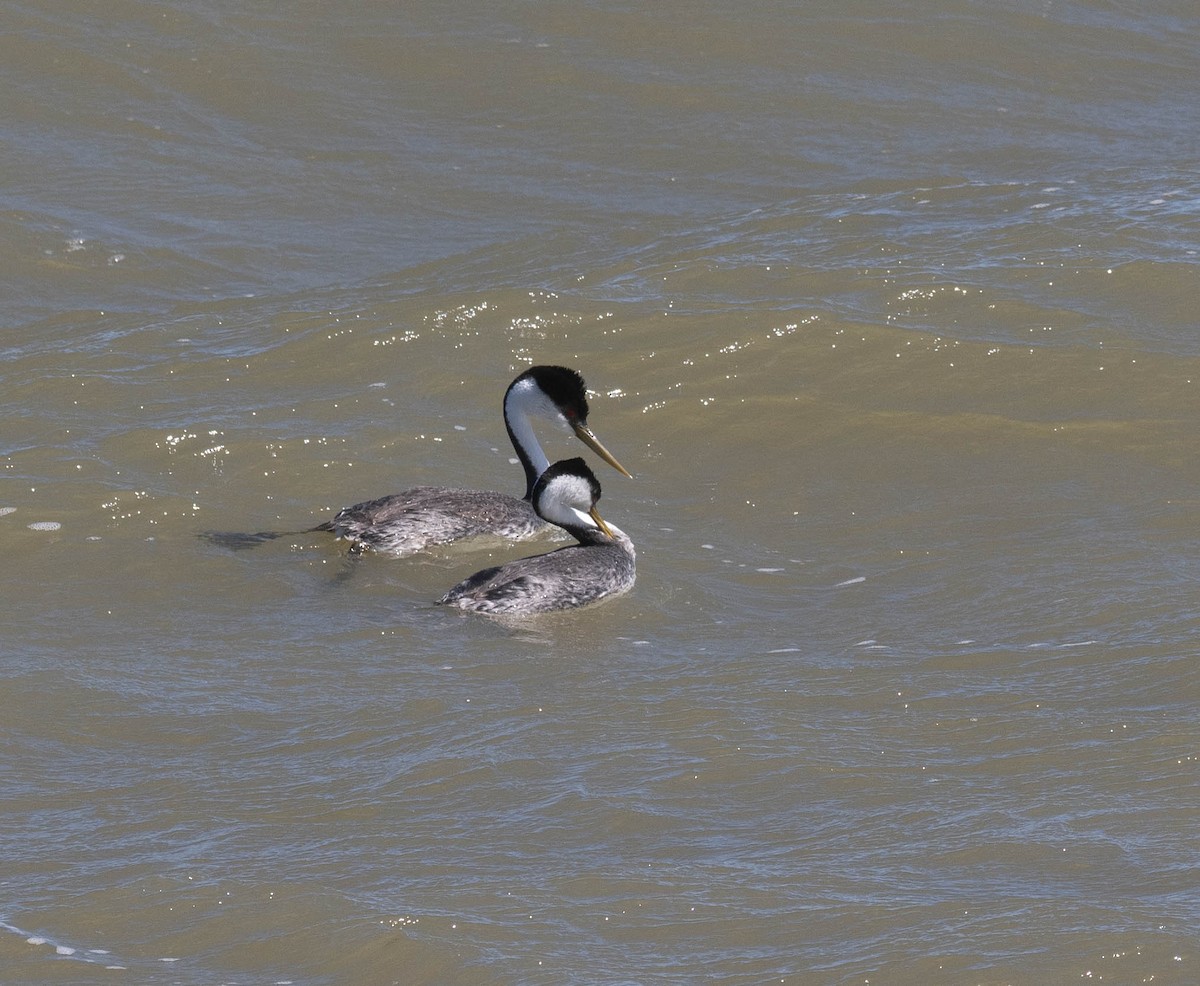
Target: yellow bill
[584,434]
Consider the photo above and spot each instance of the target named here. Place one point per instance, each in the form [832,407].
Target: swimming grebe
[601,565]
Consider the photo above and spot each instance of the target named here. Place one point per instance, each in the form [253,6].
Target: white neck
[523,434]
[524,399]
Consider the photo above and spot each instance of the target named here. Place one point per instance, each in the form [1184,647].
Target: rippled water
[892,312]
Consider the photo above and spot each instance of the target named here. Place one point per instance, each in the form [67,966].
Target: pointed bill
[584,434]
[595,515]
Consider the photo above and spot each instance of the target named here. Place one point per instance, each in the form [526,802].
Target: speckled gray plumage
[426,516]
[558,580]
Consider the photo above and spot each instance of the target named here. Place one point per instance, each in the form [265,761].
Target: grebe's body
[424,516]
[601,565]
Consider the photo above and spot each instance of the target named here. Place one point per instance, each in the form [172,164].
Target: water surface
[891,312]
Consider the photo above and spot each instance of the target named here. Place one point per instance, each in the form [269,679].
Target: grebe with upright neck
[601,565]
[425,516]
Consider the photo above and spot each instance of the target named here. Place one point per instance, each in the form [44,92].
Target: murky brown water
[893,315]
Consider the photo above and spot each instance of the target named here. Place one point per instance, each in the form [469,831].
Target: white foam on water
[90,956]
[854,581]
[45,525]
[5,511]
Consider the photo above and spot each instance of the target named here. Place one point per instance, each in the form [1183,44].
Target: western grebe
[418,518]
[600,565]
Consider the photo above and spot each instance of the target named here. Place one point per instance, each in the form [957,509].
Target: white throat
[561,503]
[525,399]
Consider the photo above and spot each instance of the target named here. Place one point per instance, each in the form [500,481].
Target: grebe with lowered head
[424,516]
[601,565]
